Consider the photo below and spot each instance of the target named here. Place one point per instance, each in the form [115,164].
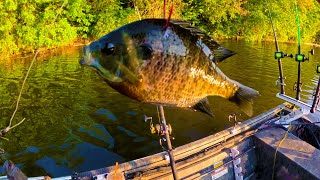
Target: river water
[75,122]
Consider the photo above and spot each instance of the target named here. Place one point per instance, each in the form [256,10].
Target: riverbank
[29,25]
[47,50]
[79,43]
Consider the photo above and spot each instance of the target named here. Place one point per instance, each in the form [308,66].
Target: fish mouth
[87,57]
[91,65]
[88,60]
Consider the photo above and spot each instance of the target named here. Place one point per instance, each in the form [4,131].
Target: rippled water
[75,122]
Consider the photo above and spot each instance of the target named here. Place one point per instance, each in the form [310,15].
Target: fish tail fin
[243,97]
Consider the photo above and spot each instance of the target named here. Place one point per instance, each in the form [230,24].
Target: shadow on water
[75,122]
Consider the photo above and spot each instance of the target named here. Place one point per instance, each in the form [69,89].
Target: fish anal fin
[203,106]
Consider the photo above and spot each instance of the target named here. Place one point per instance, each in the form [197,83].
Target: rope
[275,154]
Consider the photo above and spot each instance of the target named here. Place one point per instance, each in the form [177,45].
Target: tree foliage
[250,20]
[26,25]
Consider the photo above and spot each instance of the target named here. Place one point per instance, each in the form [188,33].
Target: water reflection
[75,122]
[107,113]
[99,132]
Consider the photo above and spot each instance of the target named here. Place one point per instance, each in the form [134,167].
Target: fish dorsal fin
[208,43]
[203,106]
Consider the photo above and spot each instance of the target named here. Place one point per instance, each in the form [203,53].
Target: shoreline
[47,50]
[239,38]
[79,43]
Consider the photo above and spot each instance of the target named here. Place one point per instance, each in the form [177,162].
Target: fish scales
[170,79]
[174,66]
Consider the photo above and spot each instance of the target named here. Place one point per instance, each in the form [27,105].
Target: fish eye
[108,49]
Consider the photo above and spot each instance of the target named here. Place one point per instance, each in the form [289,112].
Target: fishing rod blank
[278,55]
[300,57]
[316,94]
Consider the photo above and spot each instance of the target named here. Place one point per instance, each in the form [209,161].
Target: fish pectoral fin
[243,97]
[129,75]
[203,106]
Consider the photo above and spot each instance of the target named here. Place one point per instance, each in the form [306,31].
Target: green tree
[26,25]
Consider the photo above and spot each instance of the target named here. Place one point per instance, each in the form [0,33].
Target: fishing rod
[162,129]
[299,57]
[165,129]
[278,55]
[316,94]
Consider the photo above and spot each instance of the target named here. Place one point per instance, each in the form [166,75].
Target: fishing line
[164,9]
[298,23]
[275,153]
[274,32]
[24,81]
[170,12]
[136,8]
[314,136]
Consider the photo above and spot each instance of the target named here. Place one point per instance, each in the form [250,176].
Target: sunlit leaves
[10,5]
[26,25]
[250,19]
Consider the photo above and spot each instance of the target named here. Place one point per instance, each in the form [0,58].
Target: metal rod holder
[170,153]
[281,77]
[299,83]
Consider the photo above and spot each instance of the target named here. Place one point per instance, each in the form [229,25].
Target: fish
[169,64]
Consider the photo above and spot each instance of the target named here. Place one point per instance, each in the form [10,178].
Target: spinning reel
[158,129]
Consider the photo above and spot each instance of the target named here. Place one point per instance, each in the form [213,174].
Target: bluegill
[172,64]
